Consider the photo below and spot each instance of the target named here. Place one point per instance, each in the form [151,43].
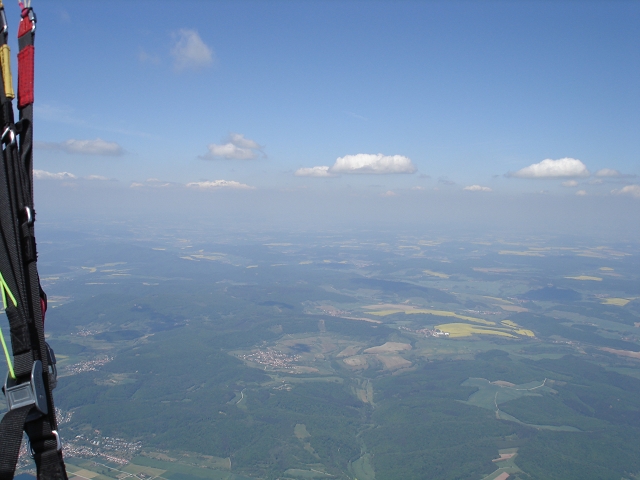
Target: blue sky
[251,96]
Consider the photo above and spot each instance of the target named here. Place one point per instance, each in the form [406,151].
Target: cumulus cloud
[153,183]
[83,147]
[570,183]
[44,175]
[190,52]
[611,173]
[581,193]
[314,172]
[239,140]
[608,172]
[218,184]
[389,193]
[370,163]
[237,147]
[633,190]
[361,163]
[97,177]
[564,167]
[477,188]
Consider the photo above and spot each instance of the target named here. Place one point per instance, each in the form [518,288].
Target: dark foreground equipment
[32,373]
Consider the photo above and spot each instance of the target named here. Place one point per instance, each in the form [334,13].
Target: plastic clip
[28,393]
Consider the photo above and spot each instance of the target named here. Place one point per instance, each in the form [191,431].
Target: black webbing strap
[46,449]
[19,270]
[11,429]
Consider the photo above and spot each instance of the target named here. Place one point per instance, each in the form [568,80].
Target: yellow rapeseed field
[440,313]
[620,302]
[457,330]
[466,330]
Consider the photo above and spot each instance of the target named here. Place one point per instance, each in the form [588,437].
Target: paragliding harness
[32,374]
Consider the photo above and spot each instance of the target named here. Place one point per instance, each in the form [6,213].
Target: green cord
[5,289]
[6,354]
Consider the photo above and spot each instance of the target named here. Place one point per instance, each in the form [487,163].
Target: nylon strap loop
[25,76]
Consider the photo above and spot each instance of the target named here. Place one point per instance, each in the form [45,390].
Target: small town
[85,332]
[272,358]
[88,366]
[111,449]
[427,332]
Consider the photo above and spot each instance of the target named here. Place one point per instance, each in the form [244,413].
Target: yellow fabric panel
[5,61]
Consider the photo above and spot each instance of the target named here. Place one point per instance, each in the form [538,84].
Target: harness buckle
[28,393]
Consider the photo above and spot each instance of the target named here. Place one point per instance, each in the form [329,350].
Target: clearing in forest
[389,347]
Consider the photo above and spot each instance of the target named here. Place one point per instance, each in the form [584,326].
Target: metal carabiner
[34,20]
[8,131]
[58,443]
[3,22]
[29,215]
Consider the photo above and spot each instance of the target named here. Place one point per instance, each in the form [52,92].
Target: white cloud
[237,148]
[154,183]
[238,140]
[44,175]
[314,172]
[570,183]
[389,193]
[633,190]
[477,188]
[96,177]
[608,172]
[611,173]
[361,163]
[417,188]
[564,167]
[190,52]
[216,184]
[581,193]
[83,147]
[370,163]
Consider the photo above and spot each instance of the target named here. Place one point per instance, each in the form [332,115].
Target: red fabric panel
[43,306]
[25,76]
[25,23]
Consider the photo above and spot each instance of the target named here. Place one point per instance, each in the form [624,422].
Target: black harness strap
[29,392]
[11,430]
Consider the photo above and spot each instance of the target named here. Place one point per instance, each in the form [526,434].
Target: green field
[206,369]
